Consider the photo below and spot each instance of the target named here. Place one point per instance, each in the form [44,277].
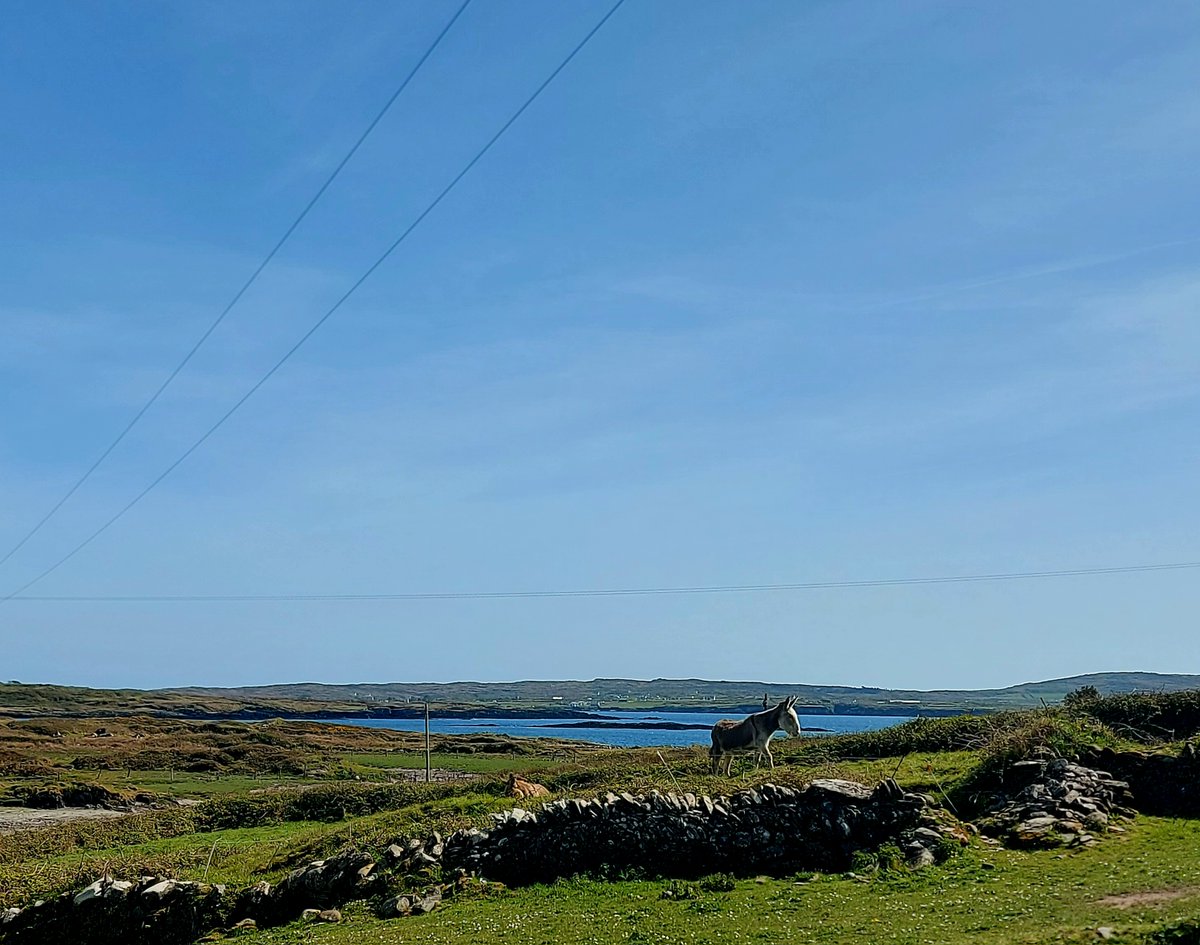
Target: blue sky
[756,292]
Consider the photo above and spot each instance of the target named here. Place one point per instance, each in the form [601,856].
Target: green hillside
[382,699]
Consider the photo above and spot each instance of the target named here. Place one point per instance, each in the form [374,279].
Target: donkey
[753,733]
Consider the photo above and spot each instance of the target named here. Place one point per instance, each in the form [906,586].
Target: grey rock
[91,893]
[393,854]
[920,857]
[927,837]
[160,890]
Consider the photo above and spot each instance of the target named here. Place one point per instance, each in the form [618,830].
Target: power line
[337,305]
[242,291]
[622,591]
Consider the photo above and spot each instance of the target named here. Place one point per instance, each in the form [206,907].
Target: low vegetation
[258,799]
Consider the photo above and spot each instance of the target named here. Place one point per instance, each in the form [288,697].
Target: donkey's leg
[767,752]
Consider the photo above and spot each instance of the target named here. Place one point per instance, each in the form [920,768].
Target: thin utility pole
[426,742]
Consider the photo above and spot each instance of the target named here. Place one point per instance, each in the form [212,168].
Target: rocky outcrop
[1055,802]
[769,829]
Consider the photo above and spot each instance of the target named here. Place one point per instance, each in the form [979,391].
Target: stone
[1036,832]
[122,887]
[161,890]
[329,915]
[396,906]
[310,915]
[850,790]
[89,893]
[920,858]
[429,901]
[927,837]
[244,925]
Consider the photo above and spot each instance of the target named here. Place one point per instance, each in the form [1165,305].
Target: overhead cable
[240,292]
[329,312]
[616,591]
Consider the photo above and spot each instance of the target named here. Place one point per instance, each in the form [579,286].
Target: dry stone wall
[1163,784]
[152,911]
[770,829]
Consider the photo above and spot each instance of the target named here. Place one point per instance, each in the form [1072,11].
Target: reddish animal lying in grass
[519,787]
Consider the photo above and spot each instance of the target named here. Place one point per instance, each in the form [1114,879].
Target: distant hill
[691,693]
[559,697]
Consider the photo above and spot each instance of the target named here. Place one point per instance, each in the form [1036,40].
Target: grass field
[983,896]
[247,823]
[473,764]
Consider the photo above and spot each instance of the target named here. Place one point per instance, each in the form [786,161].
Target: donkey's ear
[791,702]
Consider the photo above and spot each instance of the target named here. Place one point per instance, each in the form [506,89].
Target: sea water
[629,737]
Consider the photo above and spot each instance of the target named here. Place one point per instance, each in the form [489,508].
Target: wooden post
[426,742]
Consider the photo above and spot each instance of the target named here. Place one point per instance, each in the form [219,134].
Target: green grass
[42,863]
[186,784]
[473,764]
[1025,897]
[241,833]
[239,856]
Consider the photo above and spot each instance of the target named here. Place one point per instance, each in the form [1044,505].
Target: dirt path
[1129,900]
[13,819]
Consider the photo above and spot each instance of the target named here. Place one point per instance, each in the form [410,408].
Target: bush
[680,889]
[1146,716]
[718,882]
[1184,932]
[950,733]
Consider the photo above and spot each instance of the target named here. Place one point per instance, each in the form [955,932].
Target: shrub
[1183,932]
[718,882]
[680,889]
[1146,716]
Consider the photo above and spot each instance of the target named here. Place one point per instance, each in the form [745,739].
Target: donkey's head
[788,720]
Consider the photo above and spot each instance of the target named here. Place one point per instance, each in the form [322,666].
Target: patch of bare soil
[1151,898]
[28,818]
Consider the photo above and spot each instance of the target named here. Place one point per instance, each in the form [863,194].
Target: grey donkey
[752,733]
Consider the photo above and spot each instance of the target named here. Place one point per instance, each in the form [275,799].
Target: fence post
[426,742]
